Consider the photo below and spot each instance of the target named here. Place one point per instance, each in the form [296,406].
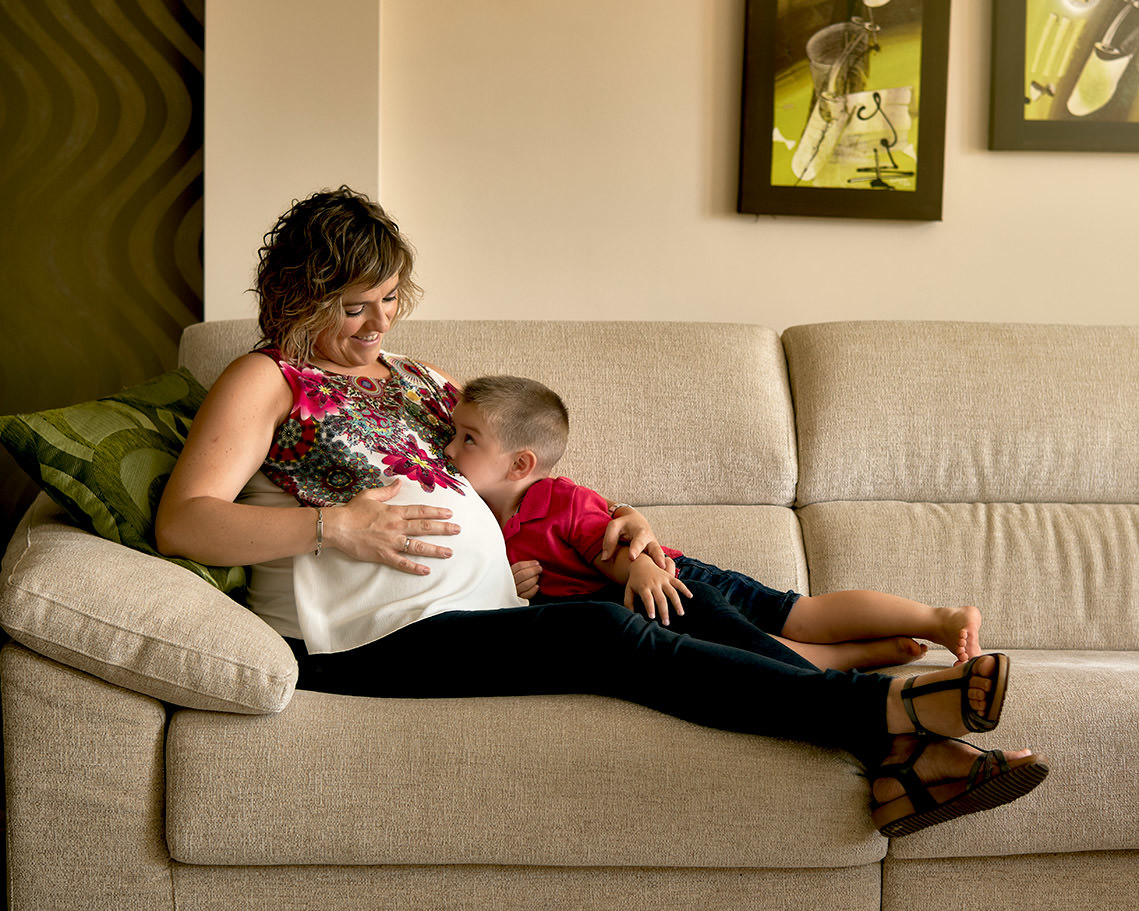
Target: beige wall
[292,105]
[578,160]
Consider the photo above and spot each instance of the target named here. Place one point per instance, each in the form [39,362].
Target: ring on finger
[406,544]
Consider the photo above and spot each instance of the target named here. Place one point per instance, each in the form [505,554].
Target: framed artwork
[1065,75]
[834,95]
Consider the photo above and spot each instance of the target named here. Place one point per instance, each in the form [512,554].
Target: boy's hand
[657,589]
[629,525]
[526,574]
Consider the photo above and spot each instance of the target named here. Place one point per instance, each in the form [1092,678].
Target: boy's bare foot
[861,655]
[889,652]
[960,631]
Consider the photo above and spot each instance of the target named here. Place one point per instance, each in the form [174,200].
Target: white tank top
[341,428]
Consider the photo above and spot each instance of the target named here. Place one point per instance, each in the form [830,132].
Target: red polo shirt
[561,525]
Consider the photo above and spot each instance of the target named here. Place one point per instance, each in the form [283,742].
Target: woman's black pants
[711,667]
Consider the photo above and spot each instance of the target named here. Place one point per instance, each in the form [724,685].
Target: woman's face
[368,314]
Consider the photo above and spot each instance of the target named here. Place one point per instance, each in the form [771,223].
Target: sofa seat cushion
[137,621]
[1081,710]
[538,780]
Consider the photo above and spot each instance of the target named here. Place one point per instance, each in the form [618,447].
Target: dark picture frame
[1035,90]
[876,179]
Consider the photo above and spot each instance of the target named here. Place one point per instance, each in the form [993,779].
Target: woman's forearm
[220,533]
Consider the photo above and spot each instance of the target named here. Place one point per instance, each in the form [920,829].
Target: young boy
[510,432]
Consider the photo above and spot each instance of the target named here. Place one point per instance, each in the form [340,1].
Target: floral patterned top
[346,434]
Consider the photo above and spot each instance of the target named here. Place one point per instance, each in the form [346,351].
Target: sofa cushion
[531,780]
[965,412]
[493,888]
[762,541]
[1080,709]
[1045,575]
[106,461]
[137,621]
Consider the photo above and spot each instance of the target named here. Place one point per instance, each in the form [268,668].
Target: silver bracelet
[319,531]
[616,506]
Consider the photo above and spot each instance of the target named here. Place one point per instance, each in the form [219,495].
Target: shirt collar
[535,505]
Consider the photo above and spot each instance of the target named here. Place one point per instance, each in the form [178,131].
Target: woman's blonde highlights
[321,247]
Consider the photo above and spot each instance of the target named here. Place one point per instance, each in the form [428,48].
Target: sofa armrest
[138,621]
[84,768]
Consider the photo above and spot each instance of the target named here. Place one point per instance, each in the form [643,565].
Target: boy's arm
[627,524]
[657,588]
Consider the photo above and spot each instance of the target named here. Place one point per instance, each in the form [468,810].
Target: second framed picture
[1065,75]
[844,108]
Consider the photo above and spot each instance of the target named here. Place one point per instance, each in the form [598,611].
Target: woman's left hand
[629,525]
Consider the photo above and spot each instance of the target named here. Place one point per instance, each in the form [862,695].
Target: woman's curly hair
[322,246]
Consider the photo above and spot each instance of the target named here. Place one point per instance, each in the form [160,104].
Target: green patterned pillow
[106,461]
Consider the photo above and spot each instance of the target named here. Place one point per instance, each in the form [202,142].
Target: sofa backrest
[975,462]
[693,420]
[948,462]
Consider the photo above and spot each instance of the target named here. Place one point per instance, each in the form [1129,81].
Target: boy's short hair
[523,413]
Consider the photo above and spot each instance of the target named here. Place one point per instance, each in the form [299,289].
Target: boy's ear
[522,466]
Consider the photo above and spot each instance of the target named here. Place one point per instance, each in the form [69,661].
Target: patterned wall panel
[101,105]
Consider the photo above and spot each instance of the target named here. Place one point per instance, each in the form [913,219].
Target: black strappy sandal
[992,782]
[974,721]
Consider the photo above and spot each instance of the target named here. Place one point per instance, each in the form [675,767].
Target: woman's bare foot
[864,654]
[960,631]
[941,712]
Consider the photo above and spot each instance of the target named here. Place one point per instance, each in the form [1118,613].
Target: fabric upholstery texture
[106,461]
[1040,882]
[137,621]
[886,412]
[344,780]
[502,888]
[1048,575]
[766,542]
[106,841]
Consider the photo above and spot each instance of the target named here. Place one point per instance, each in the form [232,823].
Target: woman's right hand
[368,528]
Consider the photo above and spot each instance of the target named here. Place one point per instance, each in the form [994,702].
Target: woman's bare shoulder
[252,378]
[256,366]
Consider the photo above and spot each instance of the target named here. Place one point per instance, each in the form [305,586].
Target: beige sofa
[157,756]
